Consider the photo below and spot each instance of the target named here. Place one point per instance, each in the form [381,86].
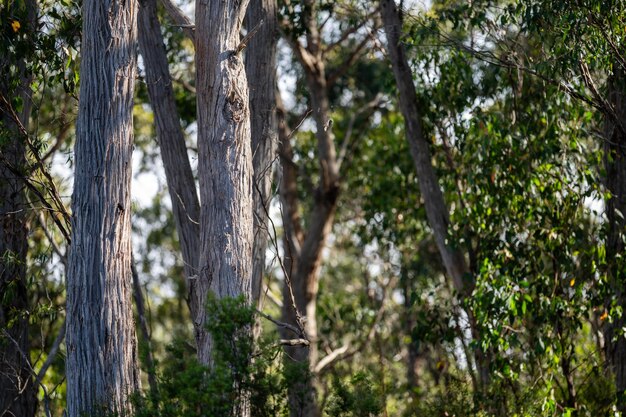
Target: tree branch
[180,19]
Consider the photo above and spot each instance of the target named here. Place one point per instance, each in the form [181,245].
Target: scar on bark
[234,108]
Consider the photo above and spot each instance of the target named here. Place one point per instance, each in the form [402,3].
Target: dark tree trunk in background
[178,173]
[17,390]
[225,162]
[101,365]
[615,163]
[261,72]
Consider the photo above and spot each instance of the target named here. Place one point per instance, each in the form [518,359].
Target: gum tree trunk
[261,67]
[17,392]
[436,210]
[102,369]
[225,162]
[178,173]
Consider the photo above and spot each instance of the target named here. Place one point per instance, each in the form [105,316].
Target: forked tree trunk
[615,163]
[225,161]
[17,392]
[101,367]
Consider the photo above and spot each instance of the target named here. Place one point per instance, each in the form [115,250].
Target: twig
[179,18]
[294,342]
[282,324]
[244,42]
[287,276]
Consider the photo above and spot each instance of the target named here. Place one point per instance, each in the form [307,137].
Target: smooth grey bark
[615,182]
[101,365]
[178,173]
[261,71]
[17,389]
[225,162]
[436,209]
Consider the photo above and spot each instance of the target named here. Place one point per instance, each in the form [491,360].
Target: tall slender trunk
[436,210]
[17,394]
[101,364]
[225,161]
[261,67]
[178,173]
[302,397]
[17,390]
[303,253]
[615,164]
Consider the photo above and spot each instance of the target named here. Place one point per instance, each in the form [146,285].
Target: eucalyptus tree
[326,50]
[17,389]
[585,44]
[101,369]
[454,259]
[262,24]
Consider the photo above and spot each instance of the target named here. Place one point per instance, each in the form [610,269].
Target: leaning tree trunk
[225,161]
[178,173]
[17,392]
[615,163]
[261,67]
[436,209]
[101,365]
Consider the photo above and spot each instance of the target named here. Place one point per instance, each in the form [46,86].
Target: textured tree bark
[101,364]
[178,173]
[17,394]
[225,161]
[17,390]
[615,163]
[436,209]
[261,67]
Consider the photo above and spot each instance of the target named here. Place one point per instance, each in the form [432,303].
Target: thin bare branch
[179,18]
[348,62]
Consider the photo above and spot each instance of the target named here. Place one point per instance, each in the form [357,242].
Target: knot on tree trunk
[235,108]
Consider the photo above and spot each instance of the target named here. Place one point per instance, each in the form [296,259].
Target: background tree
[16,379]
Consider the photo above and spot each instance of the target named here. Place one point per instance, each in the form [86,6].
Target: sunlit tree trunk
[101,365]
[225,161]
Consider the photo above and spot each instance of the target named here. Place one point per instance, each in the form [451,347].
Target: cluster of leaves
[240,372]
